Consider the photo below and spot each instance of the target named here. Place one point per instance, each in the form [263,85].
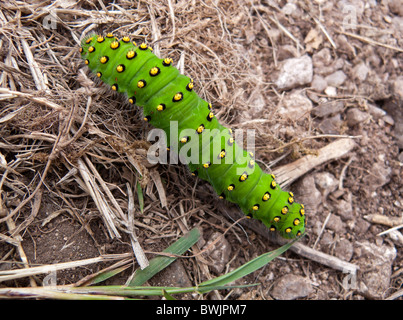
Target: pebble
[173,276]
[326,182]
[398,88]
[336,79]
[289,8]
[396,7]
[379,176]
[331,91]
[322,59]
[219,253]
[331,125]
[344,209]
[396,112]
[319,83]
[360,71]
[295,72]
[344,250]
[295,106]
[397,23]
[375,111]
[334,223]
[310,195]
[328,108]
[376,261]
[355,116]
[291,287]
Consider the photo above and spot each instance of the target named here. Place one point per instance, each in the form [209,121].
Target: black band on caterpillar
[166,96]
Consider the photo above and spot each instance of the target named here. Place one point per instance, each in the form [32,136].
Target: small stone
[295,106]
[331,125]
[334,223]
[291,287]
[396,7]
[387,19]
[336,79]
[345,45]
[389,120]
[344,250]
[328,108]
[331,91]
[380,259]
[295,72]
[326,182]
[326,239]
[379,176]
[318,83]
[360,71]
[355,116]
[375,111]
[361,226]
[322,59]
[401,157]
[398,88]
[344,209]
[289,8]
[397,23]
[310,195]
[219,253]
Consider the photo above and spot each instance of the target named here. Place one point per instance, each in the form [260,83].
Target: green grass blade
[167,295]
[161,262]
[245,269]
[140,197]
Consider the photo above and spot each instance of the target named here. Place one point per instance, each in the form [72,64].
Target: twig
[137,249]
[35,70]
[301,249]
[172,15]
[288,33]
[292,171]
[343,172]
[325,32]
[322,229]
[27,272]
[370,41]
[101,204]
[385,220]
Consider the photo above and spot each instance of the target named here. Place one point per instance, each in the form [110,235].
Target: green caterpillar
[166,95]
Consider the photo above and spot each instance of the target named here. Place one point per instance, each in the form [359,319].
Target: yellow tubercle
[200,129]
[114,45]
[130,54]
[266,196]
[154,71]
[178,96]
